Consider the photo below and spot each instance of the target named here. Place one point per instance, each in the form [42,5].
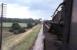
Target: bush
[29,25]
[22,30]
[16,28]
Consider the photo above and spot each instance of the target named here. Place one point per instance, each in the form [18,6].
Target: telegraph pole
[1,25]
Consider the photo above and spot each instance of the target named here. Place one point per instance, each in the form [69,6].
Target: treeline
[30,20]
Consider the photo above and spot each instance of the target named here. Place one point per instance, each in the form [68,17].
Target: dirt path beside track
[15,39]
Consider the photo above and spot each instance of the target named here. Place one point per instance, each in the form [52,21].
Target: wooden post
[1,25]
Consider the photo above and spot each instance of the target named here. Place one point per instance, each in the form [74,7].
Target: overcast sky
[31,8]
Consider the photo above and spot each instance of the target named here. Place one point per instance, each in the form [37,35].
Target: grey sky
[35,8]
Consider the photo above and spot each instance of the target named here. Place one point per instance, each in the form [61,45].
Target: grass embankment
[28,41]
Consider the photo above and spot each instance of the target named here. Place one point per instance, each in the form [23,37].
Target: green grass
[28,41]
